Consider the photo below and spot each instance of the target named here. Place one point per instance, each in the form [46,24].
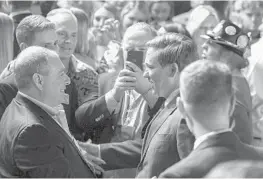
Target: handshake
[130,78]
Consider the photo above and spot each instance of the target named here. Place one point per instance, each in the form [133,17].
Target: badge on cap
[230,30]
[242,41]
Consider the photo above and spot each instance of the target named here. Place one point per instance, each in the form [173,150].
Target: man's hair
[140,26]
[29,26]
[53,14]
[205,83]
[32,60]
[174,48]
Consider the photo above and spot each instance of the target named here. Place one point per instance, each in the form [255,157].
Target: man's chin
[65,99]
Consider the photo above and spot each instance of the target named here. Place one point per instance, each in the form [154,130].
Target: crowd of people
[125,89]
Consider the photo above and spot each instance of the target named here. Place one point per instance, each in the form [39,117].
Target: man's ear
[38,80]
[173,69]
[23,46]
[184,114]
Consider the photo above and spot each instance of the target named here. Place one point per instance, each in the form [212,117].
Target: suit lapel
[48,121]
[154,126]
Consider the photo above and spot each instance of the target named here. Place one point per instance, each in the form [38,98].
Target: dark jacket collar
[228,139]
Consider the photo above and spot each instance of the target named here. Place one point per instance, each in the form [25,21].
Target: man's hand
[142,84]
[125,81]
[91,155]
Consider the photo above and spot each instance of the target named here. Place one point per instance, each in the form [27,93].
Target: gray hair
[53,14]
[206,83]
[32,60]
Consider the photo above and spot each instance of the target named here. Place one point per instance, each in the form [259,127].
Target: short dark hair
[174,48]
[205,83]
[27,28]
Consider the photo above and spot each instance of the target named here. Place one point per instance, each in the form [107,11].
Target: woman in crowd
[82,51]
[133,12]
[202,19]
[161,12]
[6,40]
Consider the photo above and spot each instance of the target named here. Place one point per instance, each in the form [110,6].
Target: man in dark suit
[161,143]
[34,138]
[20,10]
[229,44]
[207,101]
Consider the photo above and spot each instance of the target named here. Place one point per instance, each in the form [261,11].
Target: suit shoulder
[199,163]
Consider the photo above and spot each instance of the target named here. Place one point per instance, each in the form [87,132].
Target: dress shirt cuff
[112,105]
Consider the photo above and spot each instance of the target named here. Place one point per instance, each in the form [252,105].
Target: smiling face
[55,83]
[66,29]
[161,11]
[100,16]
[156,74]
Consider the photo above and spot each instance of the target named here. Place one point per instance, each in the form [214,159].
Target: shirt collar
[204,137]
[12,14]
[51,111]
[171,97]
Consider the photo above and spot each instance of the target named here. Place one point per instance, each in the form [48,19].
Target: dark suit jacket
[215,150]
[241,120]
[32,144]
[156,152]
[8,91]
[17,19]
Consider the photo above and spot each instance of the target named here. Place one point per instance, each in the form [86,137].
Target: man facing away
[163,142]
[34,138]
[207,101]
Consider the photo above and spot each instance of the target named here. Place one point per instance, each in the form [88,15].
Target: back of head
[83,21]
[32,60]
[23,5]
[139,27]
[30,25]
[174,48]
[206,85]
[176,28]
[6,40]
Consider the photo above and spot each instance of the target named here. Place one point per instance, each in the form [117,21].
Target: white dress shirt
[206,136]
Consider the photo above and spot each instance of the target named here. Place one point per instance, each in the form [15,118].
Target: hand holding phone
[136,57]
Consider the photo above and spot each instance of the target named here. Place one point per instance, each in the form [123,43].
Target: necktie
[158,106]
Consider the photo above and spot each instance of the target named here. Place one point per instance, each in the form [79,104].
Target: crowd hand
[91,155]
[110,31]
[142,84]
[125,81]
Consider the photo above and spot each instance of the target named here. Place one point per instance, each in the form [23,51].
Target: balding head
[30,61]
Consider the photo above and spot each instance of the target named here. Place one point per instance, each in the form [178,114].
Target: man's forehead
[151,56]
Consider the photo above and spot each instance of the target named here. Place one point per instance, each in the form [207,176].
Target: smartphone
[136,57]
